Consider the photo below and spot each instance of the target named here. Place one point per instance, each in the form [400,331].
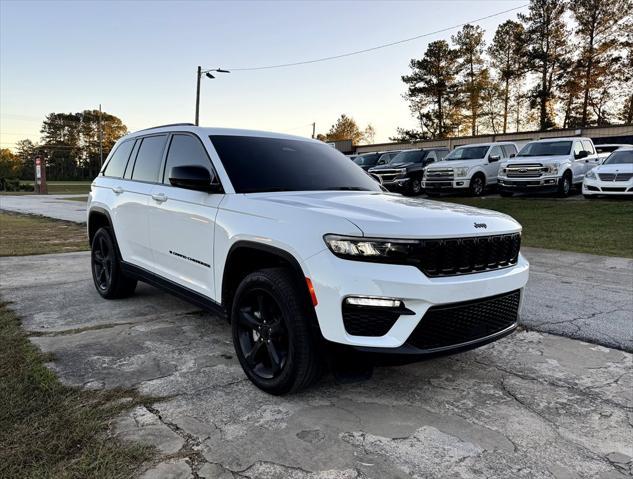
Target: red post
[40,176]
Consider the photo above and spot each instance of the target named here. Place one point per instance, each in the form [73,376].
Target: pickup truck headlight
[371,249]
[460,172]
[591,175]
[551,169]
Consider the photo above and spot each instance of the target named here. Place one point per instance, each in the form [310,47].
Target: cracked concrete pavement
[531,405]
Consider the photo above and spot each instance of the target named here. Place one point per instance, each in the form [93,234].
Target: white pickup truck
[469,168]
[554,164]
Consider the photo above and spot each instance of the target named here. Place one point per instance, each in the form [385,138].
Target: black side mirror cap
[194,177]
[582,154]
[512,155]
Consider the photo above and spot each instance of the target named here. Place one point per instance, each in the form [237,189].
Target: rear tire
[107,274]
[271,323]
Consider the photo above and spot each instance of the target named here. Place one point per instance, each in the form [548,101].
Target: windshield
[258,164]
[467,153]
[548,148]
[607,148]
[621,157]
[415,156]
[367,160]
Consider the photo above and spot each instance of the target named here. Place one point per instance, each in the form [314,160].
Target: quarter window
[116,165]
[149,158]
[185,150]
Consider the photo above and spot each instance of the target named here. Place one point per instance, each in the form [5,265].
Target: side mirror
[582,154]
[512,155]
[193,177]
[493,158]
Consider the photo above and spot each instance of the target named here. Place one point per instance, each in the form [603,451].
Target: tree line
[562,64]
[69,145]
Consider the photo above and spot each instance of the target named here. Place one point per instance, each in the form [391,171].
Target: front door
[492,167]
[182,221]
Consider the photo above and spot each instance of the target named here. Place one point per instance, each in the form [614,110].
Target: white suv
[554,164]
[469,168]
[299,248]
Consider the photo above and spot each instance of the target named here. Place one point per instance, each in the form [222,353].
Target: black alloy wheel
[263,336]
[415,187]
[109,280]
[103,259]
[274,334]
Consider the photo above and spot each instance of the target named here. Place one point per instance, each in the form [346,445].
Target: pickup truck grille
[456,324]
[439,175]
[530,170]
[387,175]
[451,257]
[615,176]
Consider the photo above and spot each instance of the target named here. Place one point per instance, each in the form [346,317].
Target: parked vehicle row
[549,165]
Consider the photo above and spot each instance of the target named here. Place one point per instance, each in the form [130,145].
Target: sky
[139,59]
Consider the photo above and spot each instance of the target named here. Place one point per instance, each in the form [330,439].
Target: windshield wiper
[347,188]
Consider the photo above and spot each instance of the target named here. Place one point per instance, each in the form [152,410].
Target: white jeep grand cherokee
[299,248]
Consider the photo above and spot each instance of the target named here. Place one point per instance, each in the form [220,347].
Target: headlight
[591,175]
[371,249]
[551,169]
[401,171]
[459,172]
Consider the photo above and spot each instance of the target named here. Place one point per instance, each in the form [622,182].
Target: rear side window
[116,165]
[509,150]
[149,158]
[577,148]
[588,147]
[185,150]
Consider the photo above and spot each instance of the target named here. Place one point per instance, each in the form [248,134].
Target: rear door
[592,160]
[182,221]
[131,214]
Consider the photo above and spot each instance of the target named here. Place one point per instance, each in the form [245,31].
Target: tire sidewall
[483,185]
[107,236]
[287,305]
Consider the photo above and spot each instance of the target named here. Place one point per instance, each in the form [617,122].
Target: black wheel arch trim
[102,211]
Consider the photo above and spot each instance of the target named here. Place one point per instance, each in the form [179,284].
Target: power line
[377,47]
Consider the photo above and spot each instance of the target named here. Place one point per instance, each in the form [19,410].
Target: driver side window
[495,151]
[186,150]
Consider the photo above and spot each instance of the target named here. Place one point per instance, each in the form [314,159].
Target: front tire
[271,323]
[415,186]
[564,185]
[477,185]
[107,275]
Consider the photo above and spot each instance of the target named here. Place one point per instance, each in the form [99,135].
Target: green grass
[50,430]
[602,227]
[56,188]
[25,235]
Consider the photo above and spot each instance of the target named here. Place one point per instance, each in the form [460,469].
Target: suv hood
[455,164]
[391,166]
[544,160]
[395,216]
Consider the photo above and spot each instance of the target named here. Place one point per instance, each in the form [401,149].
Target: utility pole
[199,75]
[313,129]
[100,139]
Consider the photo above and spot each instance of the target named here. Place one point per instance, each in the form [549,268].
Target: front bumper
[334,279]
[446,185]
[615,188]
[544,183]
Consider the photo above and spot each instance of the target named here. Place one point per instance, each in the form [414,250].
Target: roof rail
[165,126]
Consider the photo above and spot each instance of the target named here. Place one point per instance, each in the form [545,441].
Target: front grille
[388,175]
[613,189]
[531,170]
[615,176]
[459,323]
[440,175]
[450,257]
[362,321]
[522,183]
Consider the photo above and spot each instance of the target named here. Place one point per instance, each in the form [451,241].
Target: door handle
[118,190]
[160,197]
